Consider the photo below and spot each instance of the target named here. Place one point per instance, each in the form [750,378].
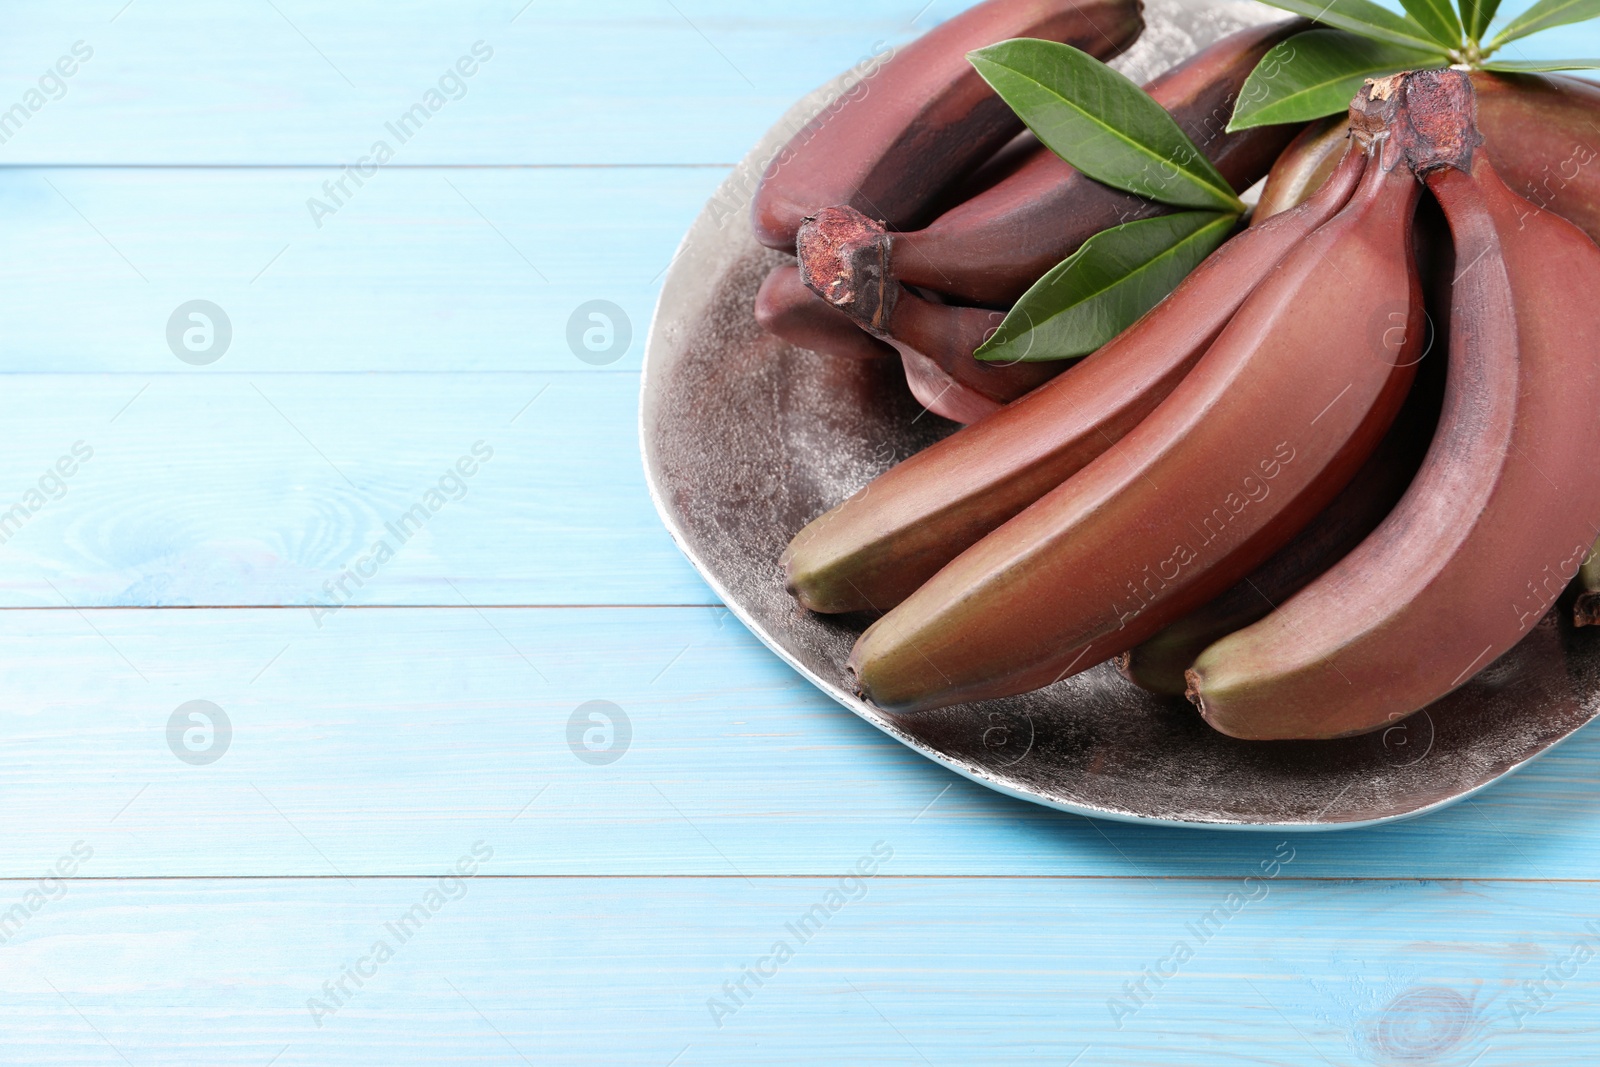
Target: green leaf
[1316,73]
[1102,123]
[1438,17]
[1540,66]
[1363,17]
[1105,286]
[1543,15]
[1476,16]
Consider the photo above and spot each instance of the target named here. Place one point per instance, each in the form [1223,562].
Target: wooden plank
[293,81]
[630,81]
[420,270]
[901,972]
[376,743]
[234,489]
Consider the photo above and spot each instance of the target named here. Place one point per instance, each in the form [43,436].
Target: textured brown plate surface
[746,439]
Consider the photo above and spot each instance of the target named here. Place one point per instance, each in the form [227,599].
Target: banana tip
[815,590]
[852,670]
[858,667]
[1240,727]
[1191,691]
[797,588]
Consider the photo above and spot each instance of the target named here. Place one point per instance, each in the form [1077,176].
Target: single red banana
[1158,665]
[922,119]
[1302,167]
[1507,502]
[991,248]
[936,342]
[1542,135]
[786,309]
[1270,425]
[872,551]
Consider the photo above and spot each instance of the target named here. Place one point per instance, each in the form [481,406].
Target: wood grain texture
[370,744]
[237,489]
[296,82]
[437,271]
[910,972]
[570,82]
[367,754]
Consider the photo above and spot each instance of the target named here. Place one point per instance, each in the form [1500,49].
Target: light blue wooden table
[378,844]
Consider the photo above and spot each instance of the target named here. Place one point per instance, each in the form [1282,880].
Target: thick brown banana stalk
[1540,132]
[922,119]
[876,548]
[1270,425]
[1507,502]
[786,309]
[992,247]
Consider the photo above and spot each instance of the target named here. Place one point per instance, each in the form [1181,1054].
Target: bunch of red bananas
[1347,464]
[921,210]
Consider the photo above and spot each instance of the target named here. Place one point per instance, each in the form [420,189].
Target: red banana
[1302,167]
[786,309]
[936,342]
[1158,665]
[923,119]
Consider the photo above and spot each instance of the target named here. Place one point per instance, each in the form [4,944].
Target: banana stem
[1494,45]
